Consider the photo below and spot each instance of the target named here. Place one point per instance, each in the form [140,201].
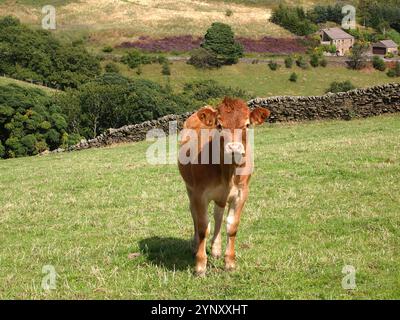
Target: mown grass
[324,195]
[259,80]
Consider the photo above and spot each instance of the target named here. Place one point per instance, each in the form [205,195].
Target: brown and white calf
[218,170]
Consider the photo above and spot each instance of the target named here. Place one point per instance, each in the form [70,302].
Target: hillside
[324,195]
[259,80]
[5,81]
[113,22]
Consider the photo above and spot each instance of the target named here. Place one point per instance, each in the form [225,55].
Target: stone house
[341,39]
[384,47]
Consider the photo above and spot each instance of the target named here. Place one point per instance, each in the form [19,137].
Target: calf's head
[232,119]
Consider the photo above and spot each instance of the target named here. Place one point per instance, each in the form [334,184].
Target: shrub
[323,62]
[301,62]
[314,60]
[29,121]
[229,13]
[395,71]
[220,40]
[389,55]
[378,63]
[135,58]
[293,77]
[344,86]
[203,59]
[273,65]
[205,90]
[111,68]
[288,62]
[108,49]
[331,48]
[166,70]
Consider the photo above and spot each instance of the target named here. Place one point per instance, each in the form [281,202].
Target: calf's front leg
[235,209]
[216,240]
[200,219]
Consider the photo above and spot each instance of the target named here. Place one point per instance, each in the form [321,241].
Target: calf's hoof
[216,252]
[201,266]
[230,264]
[200,272]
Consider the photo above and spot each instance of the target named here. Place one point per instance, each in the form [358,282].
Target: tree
[357,59]
[220,40]
[293,19]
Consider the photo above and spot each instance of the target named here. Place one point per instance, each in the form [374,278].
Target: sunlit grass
[324,195]
[259,80]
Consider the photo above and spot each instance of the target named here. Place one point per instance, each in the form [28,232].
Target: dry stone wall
[345,105]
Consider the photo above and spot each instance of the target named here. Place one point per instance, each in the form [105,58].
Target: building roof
[337,33]
[386,44]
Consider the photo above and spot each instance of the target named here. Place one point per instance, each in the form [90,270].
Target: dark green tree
[220,40]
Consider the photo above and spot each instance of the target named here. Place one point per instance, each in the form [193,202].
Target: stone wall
[346,105]
[131,133]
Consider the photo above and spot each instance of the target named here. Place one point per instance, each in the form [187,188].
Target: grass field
[259,80]
[5,81]
[112,22]
[324,195]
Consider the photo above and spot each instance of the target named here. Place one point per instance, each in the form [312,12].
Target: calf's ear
[258,115]
[208,116]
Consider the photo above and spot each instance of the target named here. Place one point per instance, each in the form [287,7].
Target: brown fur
[218,182]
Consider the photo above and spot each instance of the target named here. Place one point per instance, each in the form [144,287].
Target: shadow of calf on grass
[168,252]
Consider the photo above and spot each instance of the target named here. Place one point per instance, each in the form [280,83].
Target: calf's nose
[234,147]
